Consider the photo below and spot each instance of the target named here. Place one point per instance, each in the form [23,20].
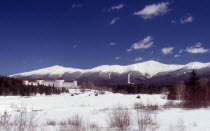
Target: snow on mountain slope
[57,70]
[197,65]
[149,68]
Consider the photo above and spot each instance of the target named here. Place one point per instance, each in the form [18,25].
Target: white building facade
[56,83]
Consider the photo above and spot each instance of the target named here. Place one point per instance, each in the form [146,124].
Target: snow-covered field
[94,109]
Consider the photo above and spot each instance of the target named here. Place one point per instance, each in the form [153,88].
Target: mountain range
[151,72]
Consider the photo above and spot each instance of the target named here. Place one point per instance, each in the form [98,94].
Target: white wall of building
[57,83]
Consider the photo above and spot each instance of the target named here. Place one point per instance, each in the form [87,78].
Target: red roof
[39,79]
[59,79]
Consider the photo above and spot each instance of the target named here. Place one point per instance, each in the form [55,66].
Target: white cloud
[177,56]
[143,44]
[196,49]
[113,21]
[153,10]
[128,50]
[112,44]
[117,58]
[138,59]
[116,7]
[186,19]
[181,51]
[167,50]
[77,5]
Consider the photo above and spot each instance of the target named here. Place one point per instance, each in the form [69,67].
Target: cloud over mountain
[196,49]
[138,59]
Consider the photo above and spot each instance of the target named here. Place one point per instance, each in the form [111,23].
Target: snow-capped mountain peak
[59,70]
[148,69]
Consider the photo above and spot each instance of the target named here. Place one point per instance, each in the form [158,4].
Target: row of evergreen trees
[127,88]
[10,86]
[138,88]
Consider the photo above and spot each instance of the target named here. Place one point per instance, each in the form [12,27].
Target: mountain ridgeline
[149,72]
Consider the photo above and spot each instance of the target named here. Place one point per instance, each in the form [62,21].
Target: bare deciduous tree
[119,117]
[146,117]
[5,121]
[25,120]
[75,123]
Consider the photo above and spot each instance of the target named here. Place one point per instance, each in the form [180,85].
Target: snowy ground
[94,109]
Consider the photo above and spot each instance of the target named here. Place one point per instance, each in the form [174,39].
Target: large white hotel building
[54,83]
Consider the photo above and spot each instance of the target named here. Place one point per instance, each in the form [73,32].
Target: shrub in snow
[51,123]
[119,117]
[138,106]
[179,126]
[75,123]
[149,107]
[93,127]
[5,121]
[146,116]
[145,120]
[172,104]
[23,121]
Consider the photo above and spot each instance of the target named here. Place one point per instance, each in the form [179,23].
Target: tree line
[13,87]
[127,88]
[194,91]
[138,89]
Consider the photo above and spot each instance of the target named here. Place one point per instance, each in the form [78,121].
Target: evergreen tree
[1,90]
[42,90]
[192,85]
[193,79]
[194,93]
[48,90]
[63,90]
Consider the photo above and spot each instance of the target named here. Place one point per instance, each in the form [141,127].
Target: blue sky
[87,33]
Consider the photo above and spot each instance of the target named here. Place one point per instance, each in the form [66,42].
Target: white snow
[197,65]
[148,68]
[94,108]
